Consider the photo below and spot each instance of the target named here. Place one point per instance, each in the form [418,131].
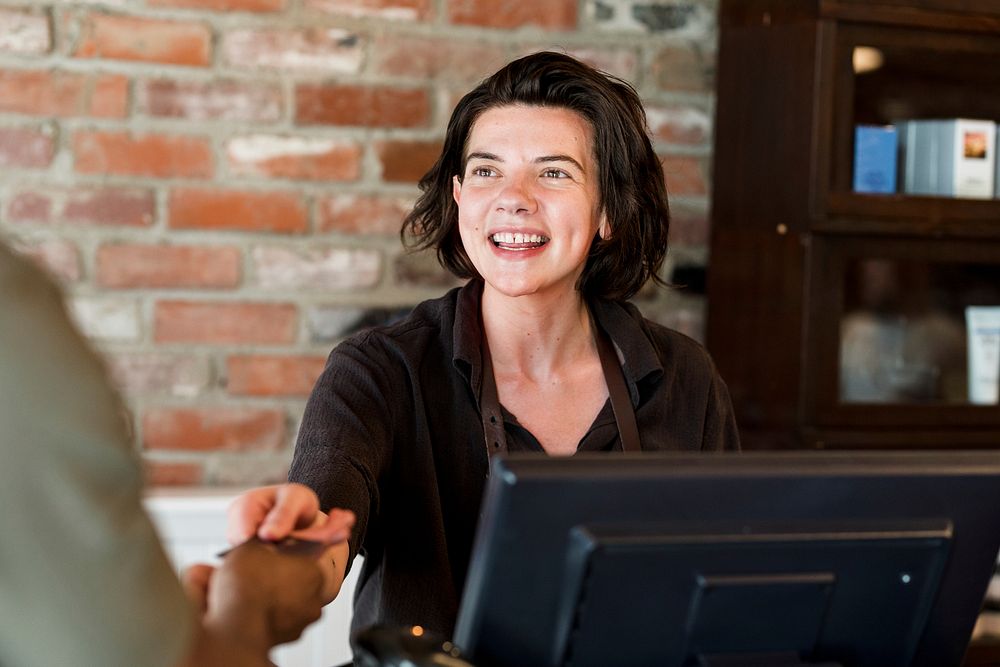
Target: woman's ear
[603,228]
[456,188]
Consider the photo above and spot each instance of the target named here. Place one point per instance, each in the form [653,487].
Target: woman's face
[528,200]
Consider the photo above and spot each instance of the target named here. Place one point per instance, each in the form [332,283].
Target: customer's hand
[260,596]
[196,579]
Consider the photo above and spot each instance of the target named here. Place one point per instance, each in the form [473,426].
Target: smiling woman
[549,197]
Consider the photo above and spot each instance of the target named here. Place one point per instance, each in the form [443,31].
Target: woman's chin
[512,291]
[514,288]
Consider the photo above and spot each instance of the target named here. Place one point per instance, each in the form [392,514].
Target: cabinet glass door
[891,339]
[886,76]
[908,327]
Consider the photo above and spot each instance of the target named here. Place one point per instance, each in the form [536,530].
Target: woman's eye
[555,173]
[482,171]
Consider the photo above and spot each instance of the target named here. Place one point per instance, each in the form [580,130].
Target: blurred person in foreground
[549,197]
[84,580]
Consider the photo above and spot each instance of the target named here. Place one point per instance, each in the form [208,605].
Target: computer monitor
[853,559]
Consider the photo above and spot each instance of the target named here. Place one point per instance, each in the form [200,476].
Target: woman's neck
[536,335]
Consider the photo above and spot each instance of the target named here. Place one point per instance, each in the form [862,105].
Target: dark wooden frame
[784,220]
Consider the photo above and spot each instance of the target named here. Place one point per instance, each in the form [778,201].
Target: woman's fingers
[248,512]
[330,528]
[295,506]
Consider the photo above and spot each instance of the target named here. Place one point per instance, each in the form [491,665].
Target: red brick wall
[219,183]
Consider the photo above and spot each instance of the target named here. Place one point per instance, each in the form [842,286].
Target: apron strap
[621,401]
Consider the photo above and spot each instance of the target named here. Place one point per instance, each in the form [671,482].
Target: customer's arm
[85,579]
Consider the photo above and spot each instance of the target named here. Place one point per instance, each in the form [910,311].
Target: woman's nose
[516,197]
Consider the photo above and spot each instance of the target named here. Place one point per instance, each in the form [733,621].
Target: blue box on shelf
[875,149]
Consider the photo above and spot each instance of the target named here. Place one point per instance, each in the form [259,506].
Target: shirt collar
[622,322]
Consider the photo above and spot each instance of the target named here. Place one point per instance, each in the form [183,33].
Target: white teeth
[517,238]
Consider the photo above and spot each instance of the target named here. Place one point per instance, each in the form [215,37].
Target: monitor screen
[853,559]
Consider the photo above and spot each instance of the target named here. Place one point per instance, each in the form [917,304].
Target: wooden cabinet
[838,319]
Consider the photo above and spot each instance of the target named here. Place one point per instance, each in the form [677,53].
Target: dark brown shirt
[392,432]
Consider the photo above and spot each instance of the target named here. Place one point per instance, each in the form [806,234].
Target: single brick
[508,14]
[235,210]
[159,155]
[316,268]
[160,373]
[24,32]
[29,206]
[63,94]
[362,214]
[317,49]
[211,100]
[434,57]
[134,266]
[224,5]
[109,319]
[145,40]
[224,323]
[218,428]
[344,104]
[303,158]
[26,147]
[271,375]
[398,10]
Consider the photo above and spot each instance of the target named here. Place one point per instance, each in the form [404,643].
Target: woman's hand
[273,513]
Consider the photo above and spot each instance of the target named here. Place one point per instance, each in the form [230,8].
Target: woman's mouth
[517,241]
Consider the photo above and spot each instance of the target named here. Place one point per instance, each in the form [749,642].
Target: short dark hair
[632,191]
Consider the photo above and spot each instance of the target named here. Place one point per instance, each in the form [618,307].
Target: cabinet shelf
[936,217]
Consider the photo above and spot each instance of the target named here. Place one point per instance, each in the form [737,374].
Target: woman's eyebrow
[479,155]
[560,158]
